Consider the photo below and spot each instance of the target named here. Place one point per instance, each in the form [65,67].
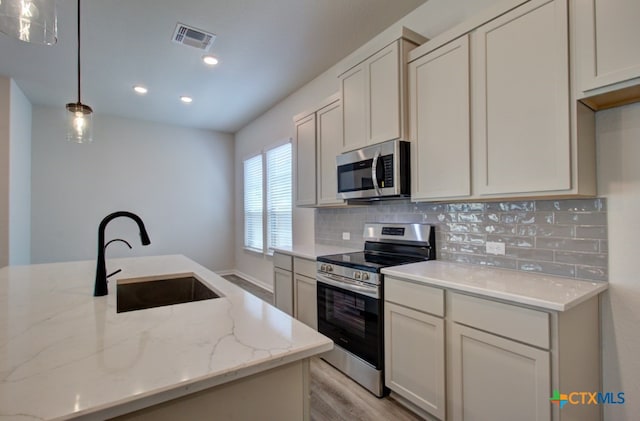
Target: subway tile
[454,227]
[430,207]
[465,238]
[570,234]
[500,262]
[530,254]
[546,217]
[604,246]
[465,207]
[577,258]
[581,218]
[499,229]
[549,268]
[591,232]
[592,273]
[463,248]
[567,244]
[447,217]
[527,206]
[471,217]
[518,218]
[572,205]
[527,230]
[513,241]
[546,230]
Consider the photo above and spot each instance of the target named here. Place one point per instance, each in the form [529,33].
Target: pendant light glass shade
[32,21]
[79,121]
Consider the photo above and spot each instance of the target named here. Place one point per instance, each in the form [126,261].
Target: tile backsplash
[558,237]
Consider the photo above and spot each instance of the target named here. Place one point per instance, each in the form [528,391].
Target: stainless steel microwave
[375,172]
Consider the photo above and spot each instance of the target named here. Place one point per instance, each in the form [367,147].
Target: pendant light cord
[79,52]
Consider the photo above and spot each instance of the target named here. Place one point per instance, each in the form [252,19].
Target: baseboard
[257,282]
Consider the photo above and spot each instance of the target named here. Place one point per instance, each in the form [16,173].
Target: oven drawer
[519,323]
[419,297]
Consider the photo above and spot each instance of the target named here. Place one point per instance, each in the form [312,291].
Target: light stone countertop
[66,354]
[311,252]
[538,290]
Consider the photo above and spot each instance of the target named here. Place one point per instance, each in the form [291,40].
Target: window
[253,203]
[267,199]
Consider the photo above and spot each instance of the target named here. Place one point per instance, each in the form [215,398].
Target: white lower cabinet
[294,287]
[305,299]
[494,378]
[305,306]
[415,345]
[414,357]
[454,356]
[499,350]
[283,290]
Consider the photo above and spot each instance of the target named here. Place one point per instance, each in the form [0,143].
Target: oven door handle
[358,288]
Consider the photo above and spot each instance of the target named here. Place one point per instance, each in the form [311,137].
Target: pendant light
[32,21]
[79,124]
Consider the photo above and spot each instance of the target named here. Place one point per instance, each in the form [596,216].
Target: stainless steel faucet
[100,288]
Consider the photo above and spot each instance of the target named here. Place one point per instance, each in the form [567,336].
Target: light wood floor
[334,396]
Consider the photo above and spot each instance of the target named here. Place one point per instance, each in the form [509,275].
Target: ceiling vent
[193,37]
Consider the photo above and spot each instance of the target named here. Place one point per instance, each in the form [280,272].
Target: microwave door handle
[374,172]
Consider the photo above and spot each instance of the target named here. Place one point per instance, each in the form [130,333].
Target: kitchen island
[65,354]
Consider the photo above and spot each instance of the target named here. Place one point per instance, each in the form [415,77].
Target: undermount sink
[163,290]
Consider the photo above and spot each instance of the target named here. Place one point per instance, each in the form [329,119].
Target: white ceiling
[267,50]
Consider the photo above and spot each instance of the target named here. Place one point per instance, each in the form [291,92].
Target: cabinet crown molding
[385,38]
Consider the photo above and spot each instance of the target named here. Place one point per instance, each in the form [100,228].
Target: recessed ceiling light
[140,89]
[186,99]
[210,60]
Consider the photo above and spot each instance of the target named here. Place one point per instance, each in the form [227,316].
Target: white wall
[430,19]
[15,174]
[19,178]
[178,180]
[5,94]
[618,142]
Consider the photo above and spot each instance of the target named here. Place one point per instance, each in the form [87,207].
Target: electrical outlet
[346,236]
[495,247]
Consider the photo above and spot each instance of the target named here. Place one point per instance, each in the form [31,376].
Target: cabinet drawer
[416,296]
[519,323]
[304,267]
[282,261]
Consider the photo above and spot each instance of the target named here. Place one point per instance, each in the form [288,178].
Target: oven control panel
[350,273]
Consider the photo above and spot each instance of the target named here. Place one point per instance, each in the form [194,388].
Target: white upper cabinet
[439,123]
[305,160]
[521,111]
[374,95]
[329,143]
[492,113]
[318,141]
[353,86]
[384,117]
[605,41]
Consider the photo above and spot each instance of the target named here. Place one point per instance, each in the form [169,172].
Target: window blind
[279,196]
[253,203]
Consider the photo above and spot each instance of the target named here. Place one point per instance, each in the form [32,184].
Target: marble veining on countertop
[312,251]
[66,354]
[539,290]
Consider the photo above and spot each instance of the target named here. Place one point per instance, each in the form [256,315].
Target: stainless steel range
[351,296]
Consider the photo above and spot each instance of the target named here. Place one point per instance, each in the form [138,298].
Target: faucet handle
[113,273]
